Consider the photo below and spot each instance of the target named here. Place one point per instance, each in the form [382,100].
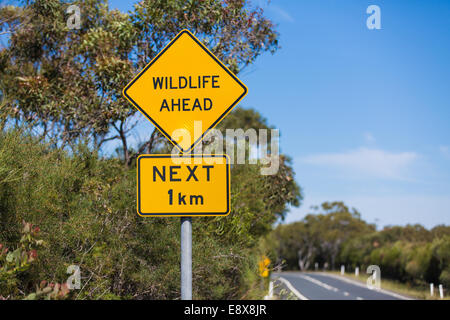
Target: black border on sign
[124,92]
[187,214]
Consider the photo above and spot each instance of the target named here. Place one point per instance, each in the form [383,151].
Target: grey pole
[186,258]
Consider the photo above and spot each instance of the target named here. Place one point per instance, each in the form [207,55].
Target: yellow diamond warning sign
[183,185]
[185,91]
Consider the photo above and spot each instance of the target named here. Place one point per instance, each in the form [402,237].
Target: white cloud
[284,15]
[365,162]
[445,150]
[369,137]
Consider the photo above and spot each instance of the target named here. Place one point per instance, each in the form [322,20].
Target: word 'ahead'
[183,84]
[183,185]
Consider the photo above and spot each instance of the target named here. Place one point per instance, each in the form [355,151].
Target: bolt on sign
[183,185]
[183,85]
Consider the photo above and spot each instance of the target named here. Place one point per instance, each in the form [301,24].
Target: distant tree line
[334,235]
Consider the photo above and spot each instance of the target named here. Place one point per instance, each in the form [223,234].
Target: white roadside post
[441,291]
[186,258]
[357,271]
[316,266]
[271,289]
[270,295]
[431,289]
[342,270]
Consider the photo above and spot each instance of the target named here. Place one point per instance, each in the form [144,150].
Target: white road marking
[359,298]
[291,287]
[319,283]
[346,293]
[356,283]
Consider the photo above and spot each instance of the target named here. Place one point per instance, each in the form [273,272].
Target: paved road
[322,286]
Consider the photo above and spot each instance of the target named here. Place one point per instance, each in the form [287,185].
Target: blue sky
[363,113]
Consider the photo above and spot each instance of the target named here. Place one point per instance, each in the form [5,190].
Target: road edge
[291,288]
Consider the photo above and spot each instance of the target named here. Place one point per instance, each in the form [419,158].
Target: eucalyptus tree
[65,83]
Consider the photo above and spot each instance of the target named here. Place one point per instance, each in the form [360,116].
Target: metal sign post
[186,258]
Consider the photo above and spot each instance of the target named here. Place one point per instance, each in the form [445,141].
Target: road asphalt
[323,286]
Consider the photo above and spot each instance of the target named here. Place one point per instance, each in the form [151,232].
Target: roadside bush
[444,278]
[85,206]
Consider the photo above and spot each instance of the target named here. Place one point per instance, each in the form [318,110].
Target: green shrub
[444,278]
[85,207]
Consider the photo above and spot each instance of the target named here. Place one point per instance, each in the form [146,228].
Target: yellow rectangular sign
[183,185]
